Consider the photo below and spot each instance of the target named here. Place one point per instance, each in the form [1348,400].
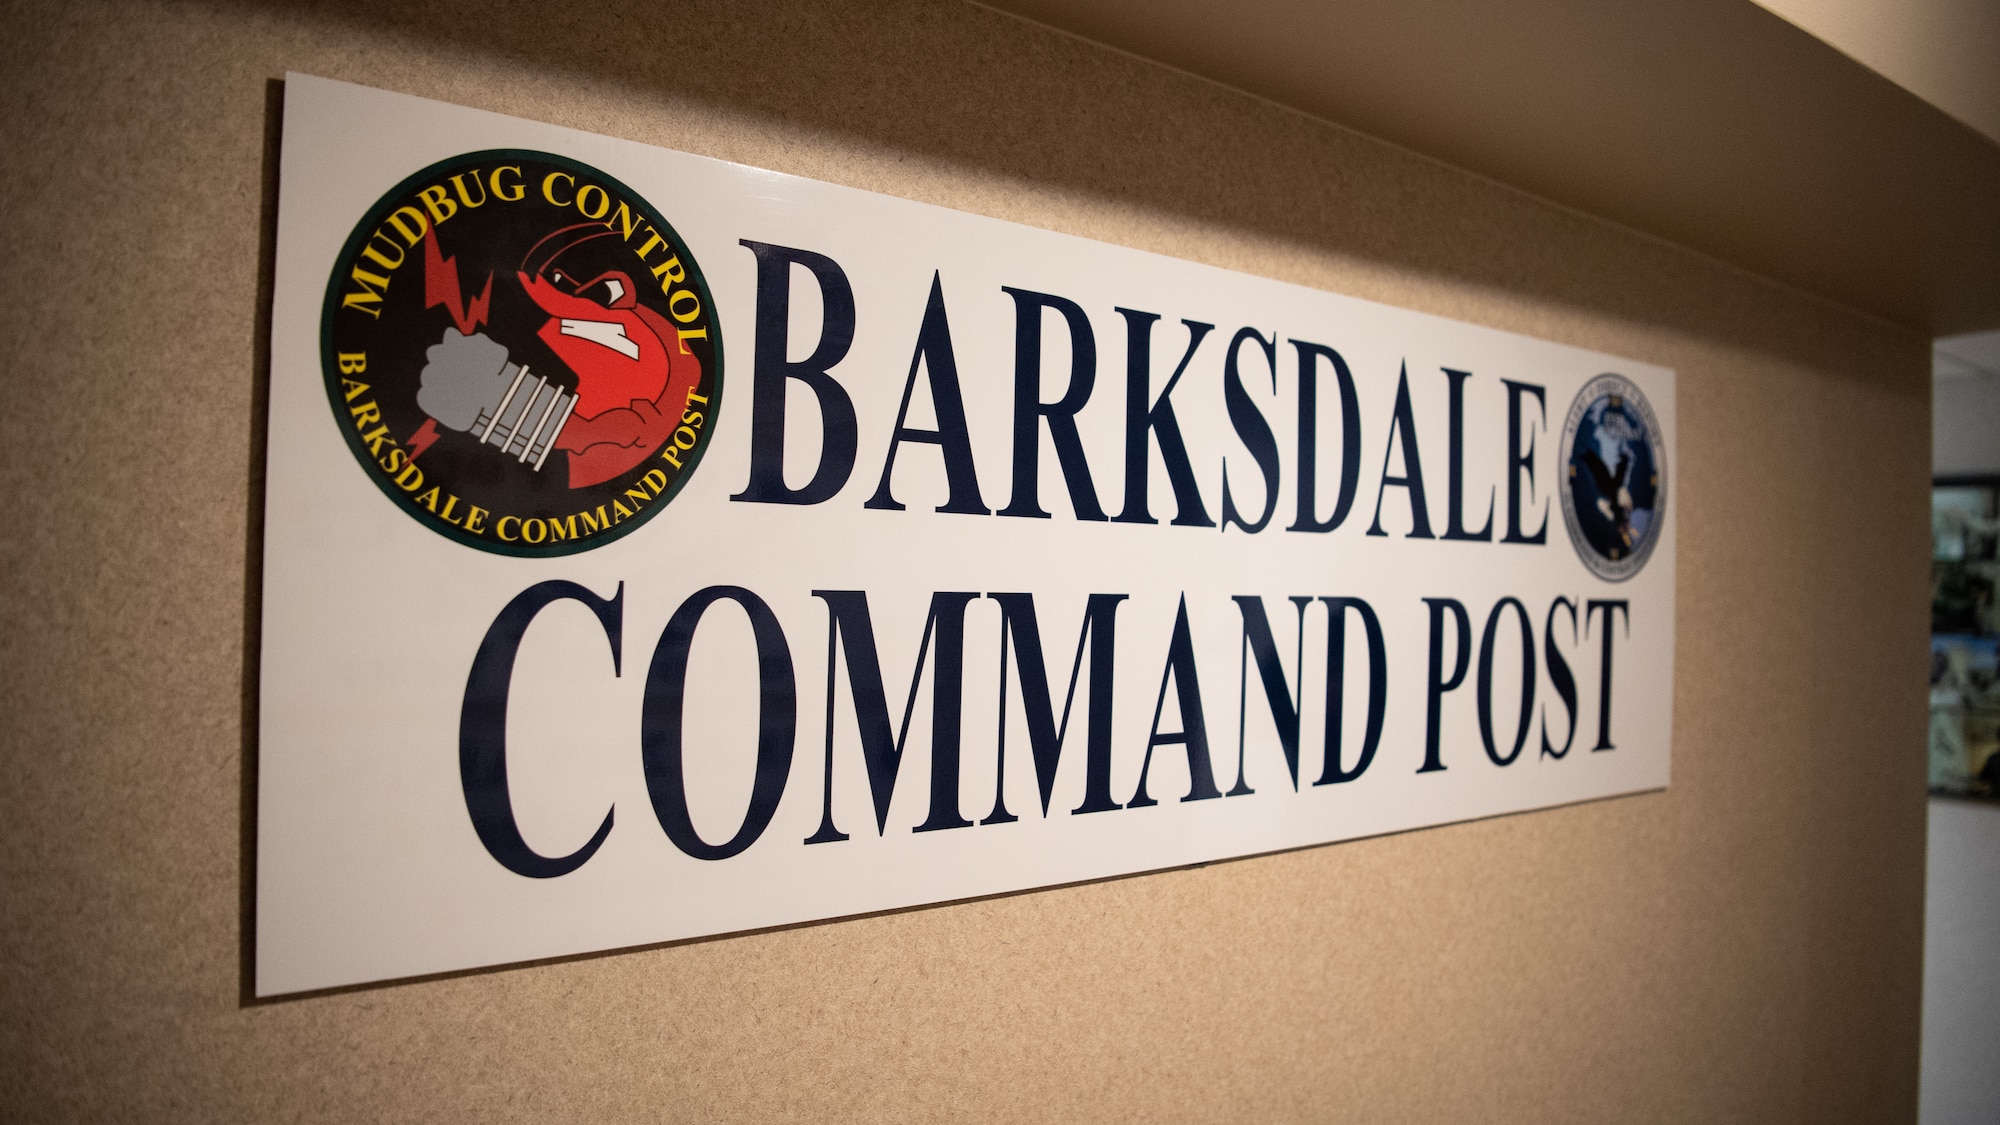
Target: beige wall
[1744,947]
[1946,52]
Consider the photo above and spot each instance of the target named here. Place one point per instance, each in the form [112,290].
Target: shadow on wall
[1010,100]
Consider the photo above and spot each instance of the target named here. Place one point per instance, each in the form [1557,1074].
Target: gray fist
[465,380]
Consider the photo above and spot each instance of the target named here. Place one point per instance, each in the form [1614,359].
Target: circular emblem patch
[1615,486]
[522,353]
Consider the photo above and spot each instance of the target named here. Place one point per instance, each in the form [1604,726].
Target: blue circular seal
[1615,477]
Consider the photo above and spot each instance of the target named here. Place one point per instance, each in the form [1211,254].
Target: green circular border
[328,367]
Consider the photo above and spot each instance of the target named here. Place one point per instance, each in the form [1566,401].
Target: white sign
[658,547]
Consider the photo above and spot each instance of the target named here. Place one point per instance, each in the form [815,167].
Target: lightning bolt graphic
[423,439]
[441,288]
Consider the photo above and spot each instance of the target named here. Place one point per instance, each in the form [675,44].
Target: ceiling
[1715,124]
[1940,50]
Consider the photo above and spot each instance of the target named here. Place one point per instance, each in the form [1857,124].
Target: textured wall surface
[1743,947]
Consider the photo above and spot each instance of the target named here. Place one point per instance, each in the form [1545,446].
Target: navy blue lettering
[482,727]
[1030,410]
[934,354]
[1486,681]
[660,717]
[848,621]
[1439,683]
[1144,424]
[1609,608]
[1350,438]
[1403,426]
[1336,686]
[770,369]
[1279,694]
[1559,675]
[1251,429]
[1045,736]
[1194,730]
[1521,463]
[1455,466]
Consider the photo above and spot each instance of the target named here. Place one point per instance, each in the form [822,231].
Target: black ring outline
[330,376]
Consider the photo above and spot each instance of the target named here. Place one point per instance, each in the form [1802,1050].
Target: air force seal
[522,353]
[1615,486]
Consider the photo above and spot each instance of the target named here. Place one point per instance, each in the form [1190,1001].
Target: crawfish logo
[562,404]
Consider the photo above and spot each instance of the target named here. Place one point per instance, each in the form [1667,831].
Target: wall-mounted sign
[658,547]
